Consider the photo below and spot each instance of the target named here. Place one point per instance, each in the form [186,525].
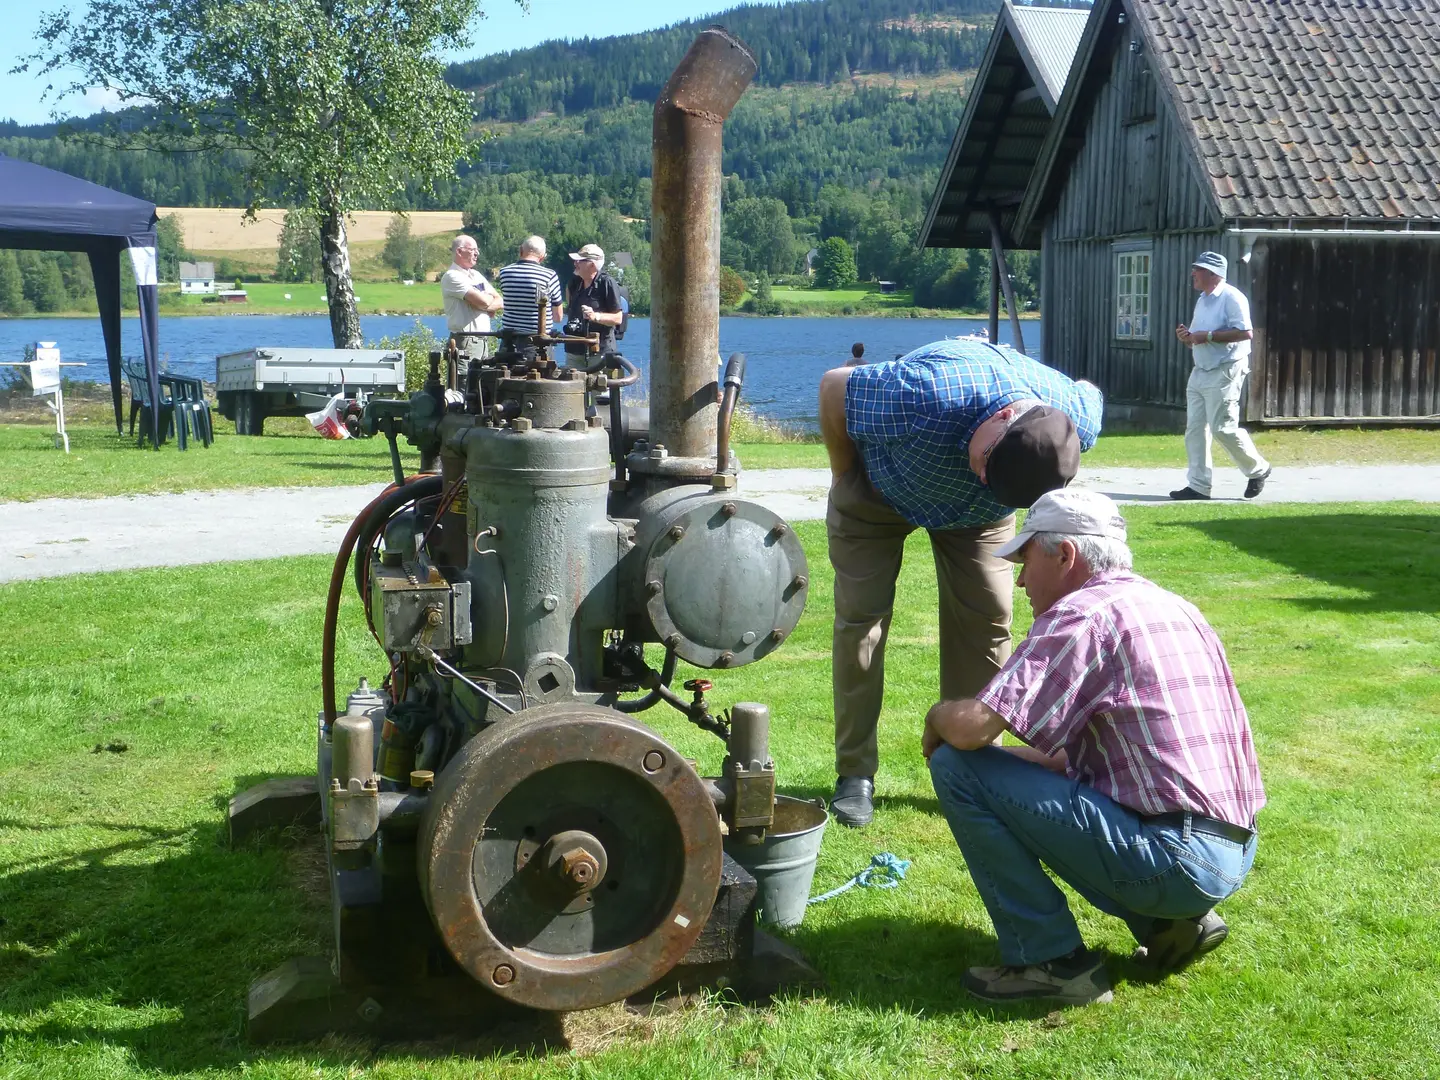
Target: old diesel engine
[503,830]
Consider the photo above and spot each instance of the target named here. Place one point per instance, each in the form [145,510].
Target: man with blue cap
[1219,338]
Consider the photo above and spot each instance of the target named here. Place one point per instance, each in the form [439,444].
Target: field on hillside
[365,261]
[308,297]
[226,230]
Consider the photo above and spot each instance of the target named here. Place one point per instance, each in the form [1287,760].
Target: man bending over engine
[1137,785]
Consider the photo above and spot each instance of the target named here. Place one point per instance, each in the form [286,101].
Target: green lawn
[853,294]
[137,703]
[290,454]
[308,297]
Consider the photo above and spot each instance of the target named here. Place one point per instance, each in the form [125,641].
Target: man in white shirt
[1219,338]
[469,299]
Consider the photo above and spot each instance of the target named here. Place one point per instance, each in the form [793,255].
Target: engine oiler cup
[783,864]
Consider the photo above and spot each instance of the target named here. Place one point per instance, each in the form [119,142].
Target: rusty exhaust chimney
[685,244]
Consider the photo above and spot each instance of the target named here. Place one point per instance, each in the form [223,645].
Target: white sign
[45,368]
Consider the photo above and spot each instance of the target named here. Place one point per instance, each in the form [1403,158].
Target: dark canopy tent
[45,210]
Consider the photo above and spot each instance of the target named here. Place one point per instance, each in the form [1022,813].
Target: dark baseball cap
[1039,453]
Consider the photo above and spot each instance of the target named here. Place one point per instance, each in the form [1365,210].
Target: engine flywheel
[569,857]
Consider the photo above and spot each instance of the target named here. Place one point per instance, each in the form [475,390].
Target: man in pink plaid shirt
[1137,783]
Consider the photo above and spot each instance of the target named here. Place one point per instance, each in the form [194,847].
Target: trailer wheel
[249,414]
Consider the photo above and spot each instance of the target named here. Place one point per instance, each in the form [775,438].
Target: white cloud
[101,99]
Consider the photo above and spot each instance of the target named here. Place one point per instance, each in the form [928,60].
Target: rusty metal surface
[569,857]
[685,252]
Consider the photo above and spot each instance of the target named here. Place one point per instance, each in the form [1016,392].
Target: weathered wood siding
[1128,182]
[1346,328]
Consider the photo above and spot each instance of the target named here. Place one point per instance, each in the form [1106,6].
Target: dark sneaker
[854,802]
[1077,979]
[1188,494]
[1257,484]
[1177,943]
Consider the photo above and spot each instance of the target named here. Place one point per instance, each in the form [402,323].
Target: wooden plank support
[994,327]
[1001,268]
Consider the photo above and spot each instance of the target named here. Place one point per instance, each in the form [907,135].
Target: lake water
[786,356]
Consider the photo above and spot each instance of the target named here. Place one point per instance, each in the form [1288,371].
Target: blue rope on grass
[885,871]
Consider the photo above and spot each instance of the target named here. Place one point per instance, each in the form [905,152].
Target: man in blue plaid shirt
[951,438]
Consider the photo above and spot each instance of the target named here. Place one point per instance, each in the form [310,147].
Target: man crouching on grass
[1137,785]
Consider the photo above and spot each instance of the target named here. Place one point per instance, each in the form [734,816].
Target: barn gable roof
[1318,110]
[1003,127]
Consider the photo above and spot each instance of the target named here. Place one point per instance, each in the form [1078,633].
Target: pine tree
[399,253]
[835,265]
[12,285]
[49,294]
[299,257]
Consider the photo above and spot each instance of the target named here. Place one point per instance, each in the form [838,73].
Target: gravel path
[51,537]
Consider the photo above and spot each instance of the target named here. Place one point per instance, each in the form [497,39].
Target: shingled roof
[1309,108]
[1294,109]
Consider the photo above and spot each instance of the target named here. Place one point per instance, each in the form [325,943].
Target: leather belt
[1202,824]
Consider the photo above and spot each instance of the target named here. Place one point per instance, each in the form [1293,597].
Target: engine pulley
[569,857]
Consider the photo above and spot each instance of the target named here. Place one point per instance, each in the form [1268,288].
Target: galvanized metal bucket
[783,864]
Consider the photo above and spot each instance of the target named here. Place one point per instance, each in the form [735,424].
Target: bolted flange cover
[733,582]
[569,857]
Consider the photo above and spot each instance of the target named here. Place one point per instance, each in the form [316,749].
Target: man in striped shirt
[1137,783]
[524,281]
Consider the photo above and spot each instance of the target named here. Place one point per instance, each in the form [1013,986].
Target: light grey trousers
[1212,406]
[867,542]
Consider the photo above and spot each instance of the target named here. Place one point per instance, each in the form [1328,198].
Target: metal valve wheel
[569,857]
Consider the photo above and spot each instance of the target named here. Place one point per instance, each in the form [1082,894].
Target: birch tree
[336,103]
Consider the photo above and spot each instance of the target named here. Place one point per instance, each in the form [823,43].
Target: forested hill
[812,42]
[847,91]
[839,142]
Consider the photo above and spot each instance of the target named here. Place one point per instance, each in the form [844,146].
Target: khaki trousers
[1212,407]
[867,542]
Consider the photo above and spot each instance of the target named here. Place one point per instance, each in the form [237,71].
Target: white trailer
[253,384]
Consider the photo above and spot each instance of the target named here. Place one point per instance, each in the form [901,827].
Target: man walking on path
[1137,783]
[1219,338]
[950,439]
[524,281]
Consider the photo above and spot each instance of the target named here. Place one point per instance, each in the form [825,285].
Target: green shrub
[417,344]
[732,287]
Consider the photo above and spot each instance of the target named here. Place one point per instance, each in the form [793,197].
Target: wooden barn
[1302,140]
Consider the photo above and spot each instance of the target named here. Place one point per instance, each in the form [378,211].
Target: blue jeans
[1010,815]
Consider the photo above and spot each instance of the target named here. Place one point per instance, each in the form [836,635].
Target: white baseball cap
[1070,512]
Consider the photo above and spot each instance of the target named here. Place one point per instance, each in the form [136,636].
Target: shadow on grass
[379,466]
[882,962]
[171,926]
[1388,557]
[150,939]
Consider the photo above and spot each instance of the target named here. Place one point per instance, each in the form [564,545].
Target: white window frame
[1134,275]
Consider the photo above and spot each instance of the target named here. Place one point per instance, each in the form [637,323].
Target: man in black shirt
[593,298]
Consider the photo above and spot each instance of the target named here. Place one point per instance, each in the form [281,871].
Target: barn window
[1132,294]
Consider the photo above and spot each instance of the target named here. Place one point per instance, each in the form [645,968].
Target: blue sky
[505,26]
